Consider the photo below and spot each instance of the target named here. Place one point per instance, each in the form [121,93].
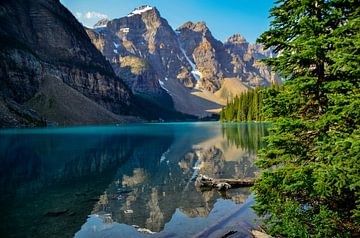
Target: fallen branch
[203,181]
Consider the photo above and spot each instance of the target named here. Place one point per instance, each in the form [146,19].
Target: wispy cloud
[78,15]
[90,15]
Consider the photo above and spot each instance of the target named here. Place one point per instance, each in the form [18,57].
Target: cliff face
[216,61]
[188,64]
[206,52]
[41,44]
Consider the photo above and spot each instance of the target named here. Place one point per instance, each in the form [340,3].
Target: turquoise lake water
[126,181]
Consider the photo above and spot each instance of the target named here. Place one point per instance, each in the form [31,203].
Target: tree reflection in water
[127,178]
[157,188]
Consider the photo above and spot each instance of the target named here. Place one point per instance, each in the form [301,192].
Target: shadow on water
[125,181]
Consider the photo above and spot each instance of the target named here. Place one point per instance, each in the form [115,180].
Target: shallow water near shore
[126,181]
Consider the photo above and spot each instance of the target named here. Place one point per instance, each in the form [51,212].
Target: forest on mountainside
[243,108]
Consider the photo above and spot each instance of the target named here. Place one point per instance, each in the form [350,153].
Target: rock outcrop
[207,53]
[42,43]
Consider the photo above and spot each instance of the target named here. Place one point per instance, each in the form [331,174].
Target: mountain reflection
[148,190]
[51,178]
[131,179]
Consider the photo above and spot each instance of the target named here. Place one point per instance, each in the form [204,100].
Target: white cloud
[93,15]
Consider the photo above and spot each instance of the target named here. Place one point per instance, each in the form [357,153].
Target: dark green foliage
[310,184]
[245,107]
[246,136]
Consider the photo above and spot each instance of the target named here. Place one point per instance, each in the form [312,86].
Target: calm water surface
[126,181]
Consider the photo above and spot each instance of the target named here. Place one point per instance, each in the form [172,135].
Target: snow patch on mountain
[196,73]
[140,10]
[187,58]
[100,26]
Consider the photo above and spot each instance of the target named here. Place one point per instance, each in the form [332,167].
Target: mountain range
[54,71]
[199,72]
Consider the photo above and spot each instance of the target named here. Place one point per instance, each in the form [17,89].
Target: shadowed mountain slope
[41,38]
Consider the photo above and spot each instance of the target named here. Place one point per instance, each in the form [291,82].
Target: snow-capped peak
[140,10]
[101,24]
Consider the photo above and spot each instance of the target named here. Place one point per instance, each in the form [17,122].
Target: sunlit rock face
[196,70]
[43,44]
[236,58]
[142,48]
[206,52]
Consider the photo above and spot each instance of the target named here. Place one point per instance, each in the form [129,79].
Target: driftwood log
[259,234]
[203,181]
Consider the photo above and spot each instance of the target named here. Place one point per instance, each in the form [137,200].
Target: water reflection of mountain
[50,182]
[150,187]
[142,175]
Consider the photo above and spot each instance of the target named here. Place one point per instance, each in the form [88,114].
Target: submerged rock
[129,211]
[230,233]
[94,199]
[56,213]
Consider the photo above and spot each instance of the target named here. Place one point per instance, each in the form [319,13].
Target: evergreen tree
[245,107]
[238,114]
[222,115]
[256,106]
[251,109]
[310,184]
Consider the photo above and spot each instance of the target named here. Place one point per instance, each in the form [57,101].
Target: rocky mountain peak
[143,49]
[236,39]
[101,23]
[197,27]
[188,24]
[201,26]
[143,10]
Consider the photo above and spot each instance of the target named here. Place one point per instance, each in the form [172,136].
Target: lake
[127,181]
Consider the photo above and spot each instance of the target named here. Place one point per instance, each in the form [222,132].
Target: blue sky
[223,17]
